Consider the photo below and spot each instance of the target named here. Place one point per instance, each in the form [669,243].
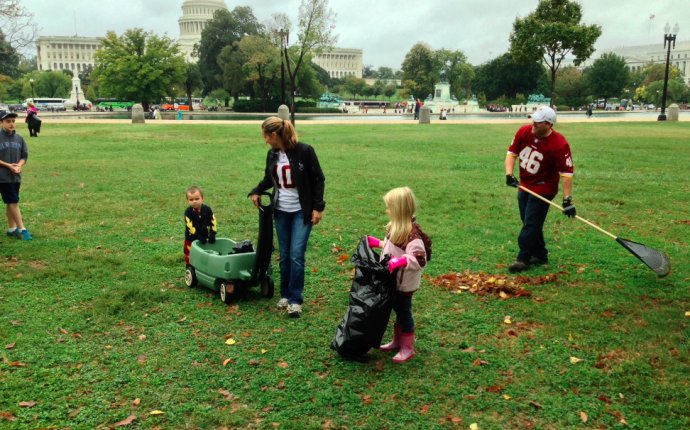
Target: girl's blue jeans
[293,236]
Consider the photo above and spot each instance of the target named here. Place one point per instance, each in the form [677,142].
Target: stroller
[371,302]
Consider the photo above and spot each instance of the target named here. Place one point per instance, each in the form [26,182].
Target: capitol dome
[195,15]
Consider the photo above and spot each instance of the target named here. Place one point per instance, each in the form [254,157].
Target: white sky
[384,29]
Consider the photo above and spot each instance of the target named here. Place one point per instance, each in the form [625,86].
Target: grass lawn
[97,329]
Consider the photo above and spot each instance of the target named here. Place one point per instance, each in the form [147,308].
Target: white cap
[544,114]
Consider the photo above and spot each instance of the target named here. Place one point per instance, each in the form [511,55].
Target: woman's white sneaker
[294,310]
[282,304]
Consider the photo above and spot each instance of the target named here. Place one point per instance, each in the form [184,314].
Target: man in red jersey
[545,158]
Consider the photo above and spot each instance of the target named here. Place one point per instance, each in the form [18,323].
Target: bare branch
[17,24]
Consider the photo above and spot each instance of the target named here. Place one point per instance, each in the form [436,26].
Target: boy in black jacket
[199,221]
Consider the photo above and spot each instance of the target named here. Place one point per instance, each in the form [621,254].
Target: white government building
[76,53]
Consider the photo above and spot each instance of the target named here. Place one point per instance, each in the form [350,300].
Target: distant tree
[459,73]
[369,72]
[223,30]
[17,24]
[220,95]
[571,87]
[418,70]
[385,73]
[502,76]
[138,66]
[551,33]
[315,34]
[607,76]
[355,86]
[48,84]
[9,58]
[322,75]
[192,82]
[6,83]
[252,62]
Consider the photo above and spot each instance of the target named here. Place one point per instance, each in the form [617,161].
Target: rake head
[656,260]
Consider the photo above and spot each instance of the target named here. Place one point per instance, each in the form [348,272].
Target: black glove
[568,206]
[511,181]
[212,238]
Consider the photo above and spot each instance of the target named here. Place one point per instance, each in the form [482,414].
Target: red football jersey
[542,160]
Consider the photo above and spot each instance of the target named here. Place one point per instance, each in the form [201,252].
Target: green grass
[98,315]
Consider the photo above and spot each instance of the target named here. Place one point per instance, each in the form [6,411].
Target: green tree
[47,84]
[355,86]
[551,33]
[192,82]
[503,76]
[571,87]
[607,76]
[315,33]
[6,83]
[459,72]
[385,73]
[138,66]
[223,30]
[418,70]
[9,58]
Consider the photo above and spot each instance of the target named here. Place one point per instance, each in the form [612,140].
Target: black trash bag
[371,302]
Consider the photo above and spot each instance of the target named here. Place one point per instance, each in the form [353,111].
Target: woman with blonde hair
[294,173]
[410,249]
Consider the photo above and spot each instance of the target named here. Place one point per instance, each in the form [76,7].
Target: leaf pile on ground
[483,284]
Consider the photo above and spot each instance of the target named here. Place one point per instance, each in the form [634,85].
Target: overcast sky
[384,29]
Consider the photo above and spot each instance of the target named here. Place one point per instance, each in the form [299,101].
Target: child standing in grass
[13,156]
[199,221]
[409,248]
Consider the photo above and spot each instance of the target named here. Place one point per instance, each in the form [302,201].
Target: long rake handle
[545,200]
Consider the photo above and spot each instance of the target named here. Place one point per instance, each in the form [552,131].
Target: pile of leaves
[484,284]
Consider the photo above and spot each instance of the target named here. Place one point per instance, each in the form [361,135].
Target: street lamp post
[668,38]
[33,93]
[284,35]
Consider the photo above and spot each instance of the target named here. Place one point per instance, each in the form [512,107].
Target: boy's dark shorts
[10,192]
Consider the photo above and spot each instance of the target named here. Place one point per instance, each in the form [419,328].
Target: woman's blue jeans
[531,239]
[293,236]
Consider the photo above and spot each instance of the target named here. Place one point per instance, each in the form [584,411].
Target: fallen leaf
[127,421]
[281,385]
[507,320]
[75,412]
[583,417]
[183,319]
[264,351]
[575,360]
[7,416]
[17,364]
[142,337]
[253,362]
[29,404]
[343,258]
[10,345]
[366,399]
[141,359]
[687,314]
[136,402]
[15,323]
[474,426]
[479,362]
[454,419]
[507,397]
[535,405]
[230,341]
[227,360]
[424,409]
[156,412]
[63,331]
[283,364]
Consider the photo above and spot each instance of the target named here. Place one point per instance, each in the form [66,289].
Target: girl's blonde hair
[402,207]
[284,129]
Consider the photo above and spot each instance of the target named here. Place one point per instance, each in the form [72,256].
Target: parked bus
[181,104]
[47,103]
[105,104]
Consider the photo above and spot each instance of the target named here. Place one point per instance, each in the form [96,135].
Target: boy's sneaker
[536,261]
[13,233]
[24,234]
[282,304]
[294,310]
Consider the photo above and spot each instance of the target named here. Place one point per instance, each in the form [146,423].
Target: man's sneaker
[282,304]
[294,310]
[25,235]
[14,233]
[518,266]
[538,261]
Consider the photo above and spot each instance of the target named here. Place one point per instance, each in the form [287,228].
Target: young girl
[409,249]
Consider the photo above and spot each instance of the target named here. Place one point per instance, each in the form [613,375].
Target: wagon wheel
[267,287]
[226,291]
[190,277]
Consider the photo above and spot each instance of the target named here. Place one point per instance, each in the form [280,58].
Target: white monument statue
[76,96]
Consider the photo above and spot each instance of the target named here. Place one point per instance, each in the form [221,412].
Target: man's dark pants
[531,239]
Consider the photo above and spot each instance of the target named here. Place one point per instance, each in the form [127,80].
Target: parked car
[3,106]
[650,106]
